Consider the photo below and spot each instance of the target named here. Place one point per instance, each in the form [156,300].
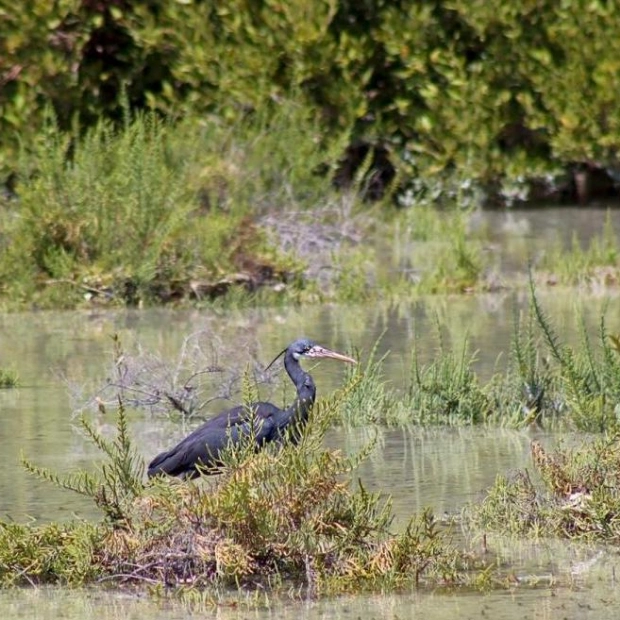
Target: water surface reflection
[598,602]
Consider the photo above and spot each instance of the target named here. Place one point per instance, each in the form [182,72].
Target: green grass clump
[106,215]
[8,378]
[435,251]
[576,495]
[587,379]
[371,398]
[156,212]
[282,518]
[552,383]
[592,266]
[447,390]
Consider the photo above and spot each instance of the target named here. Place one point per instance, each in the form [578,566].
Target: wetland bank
[519,352]
[422,364]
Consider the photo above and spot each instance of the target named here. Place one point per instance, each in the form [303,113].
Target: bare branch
[186,385]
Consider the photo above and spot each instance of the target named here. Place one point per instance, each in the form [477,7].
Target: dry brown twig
[186,385]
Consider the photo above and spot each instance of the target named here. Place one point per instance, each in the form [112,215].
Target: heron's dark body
[266,423]
[202,447]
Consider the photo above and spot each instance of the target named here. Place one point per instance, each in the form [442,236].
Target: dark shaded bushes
[490,90]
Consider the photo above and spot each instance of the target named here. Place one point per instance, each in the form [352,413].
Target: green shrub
[488,90]
[578,498]
[154,211]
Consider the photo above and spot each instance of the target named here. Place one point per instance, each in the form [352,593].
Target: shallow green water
[581,602]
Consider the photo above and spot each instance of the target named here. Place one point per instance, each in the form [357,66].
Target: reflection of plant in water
[8,378]
[594,265]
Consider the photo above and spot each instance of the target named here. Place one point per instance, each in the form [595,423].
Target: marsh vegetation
[280,519]
[156,213]
[542,380]
[292,155]
[297,520]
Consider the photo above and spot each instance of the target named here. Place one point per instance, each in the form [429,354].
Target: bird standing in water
[200,450]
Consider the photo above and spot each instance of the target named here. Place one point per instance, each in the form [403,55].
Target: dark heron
[200,450]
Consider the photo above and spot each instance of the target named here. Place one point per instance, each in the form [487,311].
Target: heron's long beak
[318,352]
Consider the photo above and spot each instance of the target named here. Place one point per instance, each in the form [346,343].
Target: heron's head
[304,347]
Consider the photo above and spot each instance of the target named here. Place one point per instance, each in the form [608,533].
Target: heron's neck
[294,370]
[304,384]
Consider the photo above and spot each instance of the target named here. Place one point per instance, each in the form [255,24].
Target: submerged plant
[594,264]
[372,400]
[588,383]
[447,391]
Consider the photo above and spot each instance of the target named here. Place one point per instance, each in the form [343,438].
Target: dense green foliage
[172,152]
[488,89]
